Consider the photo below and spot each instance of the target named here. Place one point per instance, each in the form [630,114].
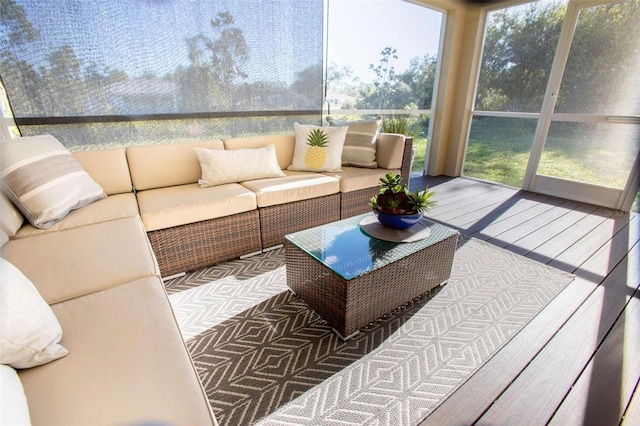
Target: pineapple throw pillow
[318,149]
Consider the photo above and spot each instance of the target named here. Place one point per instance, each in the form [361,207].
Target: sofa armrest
[407,160]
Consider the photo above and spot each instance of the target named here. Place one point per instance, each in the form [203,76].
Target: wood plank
[473,398]
[632,415]
[462,199]
[499,227]
[470,208]
[567,238]
[515,234]
[519,203]
[550,230]
[598,240]
[609,255]
[603,391]
[583,249]
[539,390]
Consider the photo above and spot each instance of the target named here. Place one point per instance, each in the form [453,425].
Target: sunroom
[525,121]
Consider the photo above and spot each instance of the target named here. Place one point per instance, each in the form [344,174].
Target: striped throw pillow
[360,144]
[42,178]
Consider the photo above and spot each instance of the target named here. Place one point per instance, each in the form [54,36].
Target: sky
[360,29]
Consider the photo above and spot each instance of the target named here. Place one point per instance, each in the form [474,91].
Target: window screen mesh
[144,71]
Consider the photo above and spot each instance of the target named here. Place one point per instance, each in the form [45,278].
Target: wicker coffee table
[352,279]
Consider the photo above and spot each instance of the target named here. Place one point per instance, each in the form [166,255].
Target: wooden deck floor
[578,361]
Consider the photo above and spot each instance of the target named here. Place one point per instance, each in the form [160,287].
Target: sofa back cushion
[4,238]
[159,166]
[390,150]
[284,146]
[10,217]
[108,168]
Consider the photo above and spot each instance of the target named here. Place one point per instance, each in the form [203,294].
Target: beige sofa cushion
[356,178]
[71,263]
[113,207]
[390,150]
[179,205]
[284,146]
[295,186]
[109,168]
[157,166]
[127,364]
[10,217]
[4,238]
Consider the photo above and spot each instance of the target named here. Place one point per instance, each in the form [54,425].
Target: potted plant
[396,206]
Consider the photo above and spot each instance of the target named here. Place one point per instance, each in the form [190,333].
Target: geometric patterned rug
[265,358]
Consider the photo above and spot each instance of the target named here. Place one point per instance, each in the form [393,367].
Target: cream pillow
[237,165]
[13,401]
[43,179]
[30,333]
[318,149]
[360,142]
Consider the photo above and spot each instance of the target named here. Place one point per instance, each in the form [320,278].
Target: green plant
[401,125]
[396,198]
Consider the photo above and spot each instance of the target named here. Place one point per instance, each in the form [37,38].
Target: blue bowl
[397,221]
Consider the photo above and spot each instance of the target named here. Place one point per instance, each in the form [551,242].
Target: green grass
[419,150]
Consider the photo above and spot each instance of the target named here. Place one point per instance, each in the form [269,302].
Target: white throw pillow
[30,333]
[318,149]
[13,401]
[237,165]
[360,143]
[44,180]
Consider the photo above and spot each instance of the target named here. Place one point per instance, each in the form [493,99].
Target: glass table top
[350,252]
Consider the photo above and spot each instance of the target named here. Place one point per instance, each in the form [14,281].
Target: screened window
[518,52]
[143,71]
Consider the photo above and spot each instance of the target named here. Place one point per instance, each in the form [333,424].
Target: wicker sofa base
[197,245]
[277,221]
[356,202]
[349,305]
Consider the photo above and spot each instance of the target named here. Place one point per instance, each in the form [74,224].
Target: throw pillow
[30,333]
[237,165]
[13,401]
[318,149]
[360,143]
[43,179]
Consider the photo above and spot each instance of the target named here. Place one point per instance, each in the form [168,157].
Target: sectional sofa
[100,268]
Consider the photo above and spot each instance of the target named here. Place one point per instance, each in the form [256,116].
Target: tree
[307,88]
[417,83]
[15,29]
[603,61]
[386,78]
[228,52]
[215,66]
[518,53]
[63,82]
[520,46]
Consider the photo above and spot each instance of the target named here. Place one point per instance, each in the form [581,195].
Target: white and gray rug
[265,358]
